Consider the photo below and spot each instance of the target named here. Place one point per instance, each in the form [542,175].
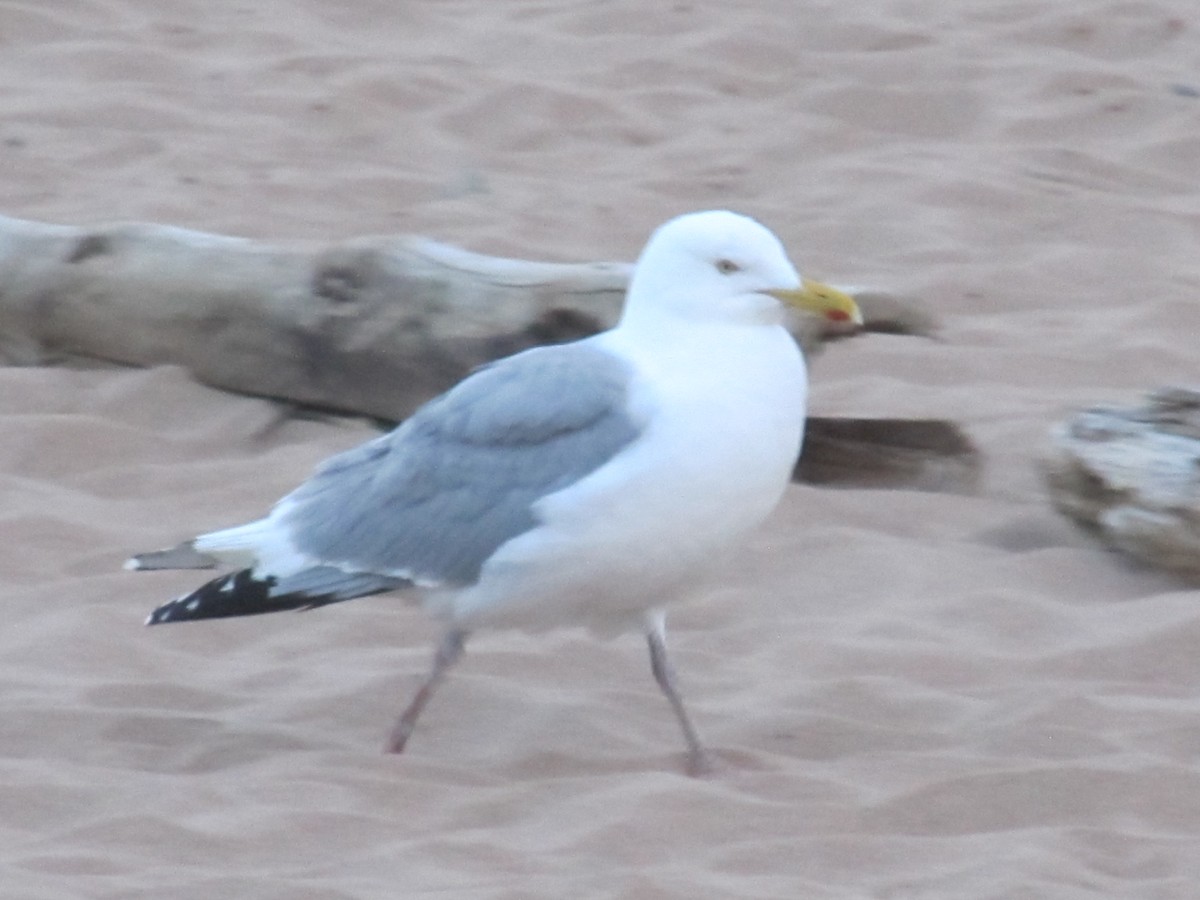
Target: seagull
[583,484]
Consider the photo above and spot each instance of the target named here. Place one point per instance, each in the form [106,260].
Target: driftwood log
[371,326]
[1131,476]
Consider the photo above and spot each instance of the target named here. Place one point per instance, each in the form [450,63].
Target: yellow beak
[822,300]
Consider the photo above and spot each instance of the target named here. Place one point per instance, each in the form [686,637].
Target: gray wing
[435,498]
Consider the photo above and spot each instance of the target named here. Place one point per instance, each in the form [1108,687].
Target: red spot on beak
[837,315]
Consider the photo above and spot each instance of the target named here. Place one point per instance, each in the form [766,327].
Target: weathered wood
[1131,476]
[373,326]
[917,454]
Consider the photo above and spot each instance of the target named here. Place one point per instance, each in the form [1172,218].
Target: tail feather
[241,594]
[182,556]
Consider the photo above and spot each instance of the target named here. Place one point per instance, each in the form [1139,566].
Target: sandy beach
[915,695]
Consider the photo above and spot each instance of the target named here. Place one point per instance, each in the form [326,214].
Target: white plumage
[586,484]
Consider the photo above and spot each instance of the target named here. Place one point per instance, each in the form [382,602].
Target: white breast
[725,413]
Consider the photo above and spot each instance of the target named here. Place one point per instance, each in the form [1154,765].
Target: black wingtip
[242,594]
[236,594]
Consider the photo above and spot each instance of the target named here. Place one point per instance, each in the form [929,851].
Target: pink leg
[449,651]
[699,762]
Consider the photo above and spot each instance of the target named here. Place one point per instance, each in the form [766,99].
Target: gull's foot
[398,739]
[702,764]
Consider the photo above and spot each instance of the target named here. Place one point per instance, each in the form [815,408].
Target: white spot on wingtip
[192,605]
[133,564]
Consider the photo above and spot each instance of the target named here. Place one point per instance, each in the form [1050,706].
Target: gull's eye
[727,266]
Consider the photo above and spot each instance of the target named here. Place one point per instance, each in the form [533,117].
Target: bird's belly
[632,535]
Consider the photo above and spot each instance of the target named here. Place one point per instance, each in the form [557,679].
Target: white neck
[671,309]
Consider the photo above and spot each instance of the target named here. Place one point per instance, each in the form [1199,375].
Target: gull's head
[721,266]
